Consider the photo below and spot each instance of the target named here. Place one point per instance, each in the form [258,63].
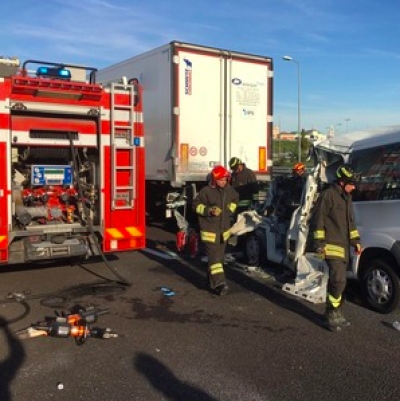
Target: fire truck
[72,161]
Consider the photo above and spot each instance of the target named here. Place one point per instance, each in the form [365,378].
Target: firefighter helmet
[299,167]
[345,173]
[219,172]
[234,163]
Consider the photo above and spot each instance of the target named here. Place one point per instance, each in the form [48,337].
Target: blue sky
[348,50]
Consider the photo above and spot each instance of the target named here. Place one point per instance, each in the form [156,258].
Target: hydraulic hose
[14,298]
[121,280]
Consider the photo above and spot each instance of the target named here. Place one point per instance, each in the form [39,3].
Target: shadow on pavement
[240,278]
[11,363]
[275,295]
[178,265]
[166,382]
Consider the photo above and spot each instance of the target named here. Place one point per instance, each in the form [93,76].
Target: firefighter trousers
[337,277]
[215,254]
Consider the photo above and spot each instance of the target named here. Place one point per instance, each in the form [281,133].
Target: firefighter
[288,191]
[244,181]
[298,180]
[334,233]
[214,205]
[298,170]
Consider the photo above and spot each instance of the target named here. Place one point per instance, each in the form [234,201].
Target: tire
[380,286]
[255,249]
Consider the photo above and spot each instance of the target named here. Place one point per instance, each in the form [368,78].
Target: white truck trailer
[202,106]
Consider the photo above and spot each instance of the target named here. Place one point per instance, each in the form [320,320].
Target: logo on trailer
[193,151]
[248,113]
[188,76]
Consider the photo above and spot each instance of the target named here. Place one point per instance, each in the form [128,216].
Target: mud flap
[311,279]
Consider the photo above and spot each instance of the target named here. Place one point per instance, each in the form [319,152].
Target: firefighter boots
[222,289]
[334,319]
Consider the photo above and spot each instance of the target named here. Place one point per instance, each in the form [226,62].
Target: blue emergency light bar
[61,73]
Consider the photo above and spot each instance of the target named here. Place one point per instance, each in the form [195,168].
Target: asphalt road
[256,343]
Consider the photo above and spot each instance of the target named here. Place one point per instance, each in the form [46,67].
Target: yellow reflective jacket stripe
[226,235]
[201,209]
[243,203]
[216,268]
[335,302]
[207,236]
[354,234]
[334,250]
[319,234]
[232,207]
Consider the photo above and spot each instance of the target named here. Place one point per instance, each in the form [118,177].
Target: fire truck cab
[71,163]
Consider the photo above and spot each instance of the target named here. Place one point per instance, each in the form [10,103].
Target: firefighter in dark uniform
[298,180]
[244,181]
[214,205]
[288,191]
[334,233]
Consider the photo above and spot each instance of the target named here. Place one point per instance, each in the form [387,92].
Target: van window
[379,168]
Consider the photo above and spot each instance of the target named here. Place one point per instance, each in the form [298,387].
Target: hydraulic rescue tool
[77,324]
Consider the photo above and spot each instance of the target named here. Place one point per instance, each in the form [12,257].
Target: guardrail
[281,170]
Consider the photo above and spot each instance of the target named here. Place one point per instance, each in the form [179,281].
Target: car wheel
[254,248]
[381,286]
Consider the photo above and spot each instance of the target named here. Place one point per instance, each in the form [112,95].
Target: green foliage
[285,152]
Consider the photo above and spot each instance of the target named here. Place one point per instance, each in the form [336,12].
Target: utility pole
[288,58]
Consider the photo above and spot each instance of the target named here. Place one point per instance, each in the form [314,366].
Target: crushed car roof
[359,140]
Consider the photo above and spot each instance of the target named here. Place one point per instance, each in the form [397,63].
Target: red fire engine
[71,163]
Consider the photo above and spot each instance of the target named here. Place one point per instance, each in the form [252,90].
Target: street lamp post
[288,58]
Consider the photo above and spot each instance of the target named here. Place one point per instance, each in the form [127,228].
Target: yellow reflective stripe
[115,233]
[200,209]
[226,235]
[207,236]
[133,231]
[245,203]
[319,234]
[334,250]
[232,207]
[216,268]
[335,302]
[354,234]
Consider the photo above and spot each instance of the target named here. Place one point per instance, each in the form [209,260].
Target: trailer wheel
[255,248]
[380,286]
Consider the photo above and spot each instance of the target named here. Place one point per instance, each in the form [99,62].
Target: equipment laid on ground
[202,105]
[76,324]
[71,163]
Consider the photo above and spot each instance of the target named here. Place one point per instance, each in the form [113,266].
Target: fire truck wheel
[381,286]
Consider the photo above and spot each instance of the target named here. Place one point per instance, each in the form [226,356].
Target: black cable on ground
[26,311]
[60,299]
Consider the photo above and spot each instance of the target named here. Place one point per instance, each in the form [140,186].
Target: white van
[375,156]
